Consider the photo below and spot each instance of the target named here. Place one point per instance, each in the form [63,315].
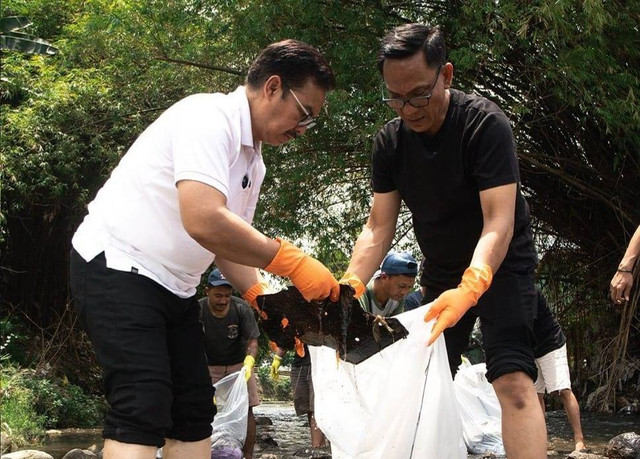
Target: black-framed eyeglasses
[417,101]
[308,121]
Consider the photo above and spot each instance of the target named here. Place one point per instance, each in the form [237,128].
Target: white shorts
[553,371]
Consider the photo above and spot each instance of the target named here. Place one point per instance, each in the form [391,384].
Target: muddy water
[291,433]
[598,429]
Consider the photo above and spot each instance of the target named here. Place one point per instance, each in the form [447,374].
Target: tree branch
[203,66]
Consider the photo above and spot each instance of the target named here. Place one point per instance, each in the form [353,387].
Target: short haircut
[408,39]
[295,62]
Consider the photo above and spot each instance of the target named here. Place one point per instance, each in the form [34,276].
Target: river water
[291,433]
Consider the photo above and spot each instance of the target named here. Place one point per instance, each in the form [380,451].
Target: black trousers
[506,314]
[150,345]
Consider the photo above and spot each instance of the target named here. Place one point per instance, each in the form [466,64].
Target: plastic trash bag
[479,409]
[230,422]
[399,403]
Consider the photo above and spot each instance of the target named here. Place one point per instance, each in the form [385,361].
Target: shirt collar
[246,133]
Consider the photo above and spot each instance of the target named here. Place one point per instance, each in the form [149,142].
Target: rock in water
[313,453]
[356,335]
[226,452]
[624,446]
[78,453]
[267,439]
[263,421]
[27,454]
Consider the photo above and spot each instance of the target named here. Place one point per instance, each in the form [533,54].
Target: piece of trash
[355,334]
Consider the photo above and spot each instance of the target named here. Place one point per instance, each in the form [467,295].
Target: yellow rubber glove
[354,282]
[451,305]
[311,278]
[249,362]
[275,367]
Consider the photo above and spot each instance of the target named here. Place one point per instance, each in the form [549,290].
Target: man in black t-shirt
[450,157]
[231,342]
[553,367]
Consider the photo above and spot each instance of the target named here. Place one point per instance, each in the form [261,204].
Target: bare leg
[247,449]
[176,449]
[523,429]
[114,450]
[317,437]
[573,413]
[541,400]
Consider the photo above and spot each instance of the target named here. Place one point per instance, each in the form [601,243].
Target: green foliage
[33,403]
[65,405]
[273,390]
[17,408]
[12,341]
[18,420]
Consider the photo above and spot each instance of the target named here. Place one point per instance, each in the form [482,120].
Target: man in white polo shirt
[184,194]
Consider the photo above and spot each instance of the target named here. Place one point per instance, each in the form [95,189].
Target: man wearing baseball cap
[231,342]
[390,285]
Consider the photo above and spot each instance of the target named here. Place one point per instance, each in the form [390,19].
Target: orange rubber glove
[354,282]
[273,346]
[451,305]
[298,346]
[311,278]
[257,289]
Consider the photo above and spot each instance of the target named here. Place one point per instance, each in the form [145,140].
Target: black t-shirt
[226,339]
[439,179]
[546,329]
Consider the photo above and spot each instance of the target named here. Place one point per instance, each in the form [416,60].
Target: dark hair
[408,39]
[295,62]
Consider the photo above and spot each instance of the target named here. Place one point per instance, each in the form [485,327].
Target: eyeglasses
[417,102]
[308,121]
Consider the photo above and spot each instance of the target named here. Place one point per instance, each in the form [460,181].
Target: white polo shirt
[135,217]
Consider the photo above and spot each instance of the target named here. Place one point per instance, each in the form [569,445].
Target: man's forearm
[206,218]
[498,214]
[630,257]
[252,348]
[376,236]
[493,245]
[241,277]
[233,239]
[368,252]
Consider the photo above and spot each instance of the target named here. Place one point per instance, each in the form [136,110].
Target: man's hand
[452,304]
[249,362]
[274,371]
[257,289]
[354,282]
[621,286]
[298,346]
[311,278]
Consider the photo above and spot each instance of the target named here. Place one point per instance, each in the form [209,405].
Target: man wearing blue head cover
[390,285]
[231,342]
